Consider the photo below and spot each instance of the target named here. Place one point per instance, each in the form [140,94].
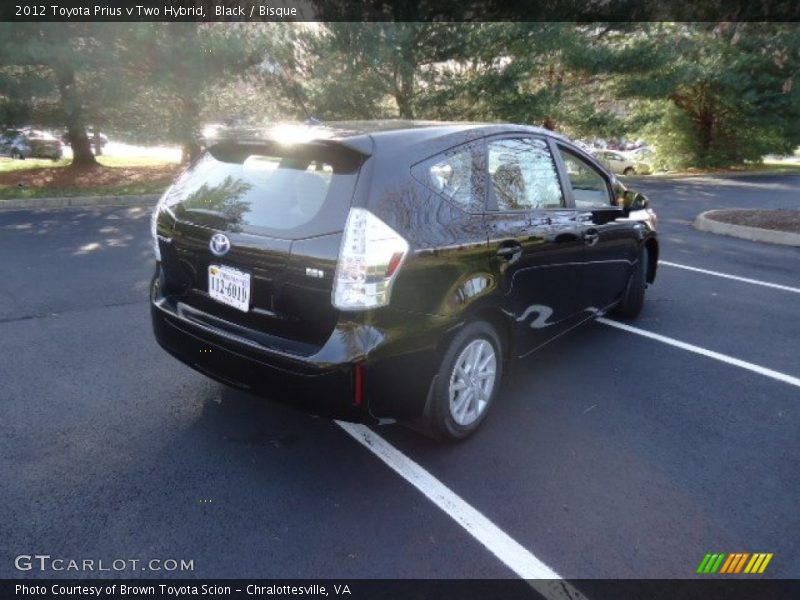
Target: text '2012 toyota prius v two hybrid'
[375,271]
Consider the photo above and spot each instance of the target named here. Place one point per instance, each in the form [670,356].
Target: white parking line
[499,543]
[775,286]
[795,381]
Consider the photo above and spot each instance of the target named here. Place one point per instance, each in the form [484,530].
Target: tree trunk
[190,151]
[189,89]
[404,106]
[73,116]
[705,127]
[190,130]
[705,133]
[404,89]
[404,94]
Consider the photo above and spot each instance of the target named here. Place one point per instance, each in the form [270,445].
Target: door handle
[591,236]
[510,251]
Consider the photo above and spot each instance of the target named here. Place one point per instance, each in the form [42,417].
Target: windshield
[266,192]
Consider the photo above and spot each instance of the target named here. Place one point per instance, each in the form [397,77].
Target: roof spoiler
[285,137]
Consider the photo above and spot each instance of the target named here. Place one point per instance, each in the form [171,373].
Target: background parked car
[97,139]
[30,143]
[645,159]
[617,163]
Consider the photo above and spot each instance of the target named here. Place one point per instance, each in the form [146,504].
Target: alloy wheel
[472,381]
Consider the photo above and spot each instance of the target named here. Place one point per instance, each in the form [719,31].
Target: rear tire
[467,382]
[629,171]
[632,300]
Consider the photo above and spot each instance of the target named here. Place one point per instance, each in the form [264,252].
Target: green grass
[768,165]
[776,167]
[6,166]
[136,189]
[132,161]
[107,161]
[143,182]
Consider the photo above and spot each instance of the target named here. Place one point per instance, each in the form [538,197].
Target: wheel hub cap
[472,381]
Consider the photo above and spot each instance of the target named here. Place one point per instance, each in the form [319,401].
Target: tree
[708,94]
[502,71]
[173,67]
[366,70]
[714,94]
[147,82]
[522,72]
[42,65]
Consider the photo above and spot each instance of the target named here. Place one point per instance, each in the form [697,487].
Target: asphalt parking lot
[611,455]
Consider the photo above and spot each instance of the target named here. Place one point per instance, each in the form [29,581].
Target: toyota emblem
[219,244]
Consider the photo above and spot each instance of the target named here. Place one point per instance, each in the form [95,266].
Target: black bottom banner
[424,589]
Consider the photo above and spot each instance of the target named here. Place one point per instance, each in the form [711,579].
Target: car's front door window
[589,186]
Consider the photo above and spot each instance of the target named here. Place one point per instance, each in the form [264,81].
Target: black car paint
[532,274]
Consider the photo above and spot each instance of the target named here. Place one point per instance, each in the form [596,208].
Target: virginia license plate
[229,286]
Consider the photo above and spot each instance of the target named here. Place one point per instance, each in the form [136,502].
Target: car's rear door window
[458,174]
[524,175]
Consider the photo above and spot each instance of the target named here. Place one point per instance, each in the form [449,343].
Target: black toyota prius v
[388,271]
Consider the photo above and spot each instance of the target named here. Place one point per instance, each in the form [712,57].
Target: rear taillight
[369,260]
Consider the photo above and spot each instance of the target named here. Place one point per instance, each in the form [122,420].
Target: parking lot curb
[78,201]
[724,174]
[706,222]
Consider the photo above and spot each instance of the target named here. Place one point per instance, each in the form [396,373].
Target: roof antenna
[287,81]
[290,85]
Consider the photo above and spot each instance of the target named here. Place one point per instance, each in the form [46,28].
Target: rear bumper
[395,372]
[326,391]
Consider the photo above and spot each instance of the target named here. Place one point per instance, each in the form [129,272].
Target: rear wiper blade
[208,212]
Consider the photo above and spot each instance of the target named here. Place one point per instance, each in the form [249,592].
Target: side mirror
[634,201]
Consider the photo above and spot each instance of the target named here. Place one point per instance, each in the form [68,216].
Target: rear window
[268,190]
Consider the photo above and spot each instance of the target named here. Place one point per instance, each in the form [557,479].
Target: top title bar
[401,10]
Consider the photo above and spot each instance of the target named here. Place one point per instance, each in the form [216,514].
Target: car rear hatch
[282,209]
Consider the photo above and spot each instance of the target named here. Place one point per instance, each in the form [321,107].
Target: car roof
[366,136]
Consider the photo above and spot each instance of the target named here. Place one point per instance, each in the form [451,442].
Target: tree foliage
[176,67]
[707,94]
[715,94]
[53,74]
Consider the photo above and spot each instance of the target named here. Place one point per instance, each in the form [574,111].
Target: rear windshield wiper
[208,212]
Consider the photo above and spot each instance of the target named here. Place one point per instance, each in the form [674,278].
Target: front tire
[629,171]
[467,382]
[632,300]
